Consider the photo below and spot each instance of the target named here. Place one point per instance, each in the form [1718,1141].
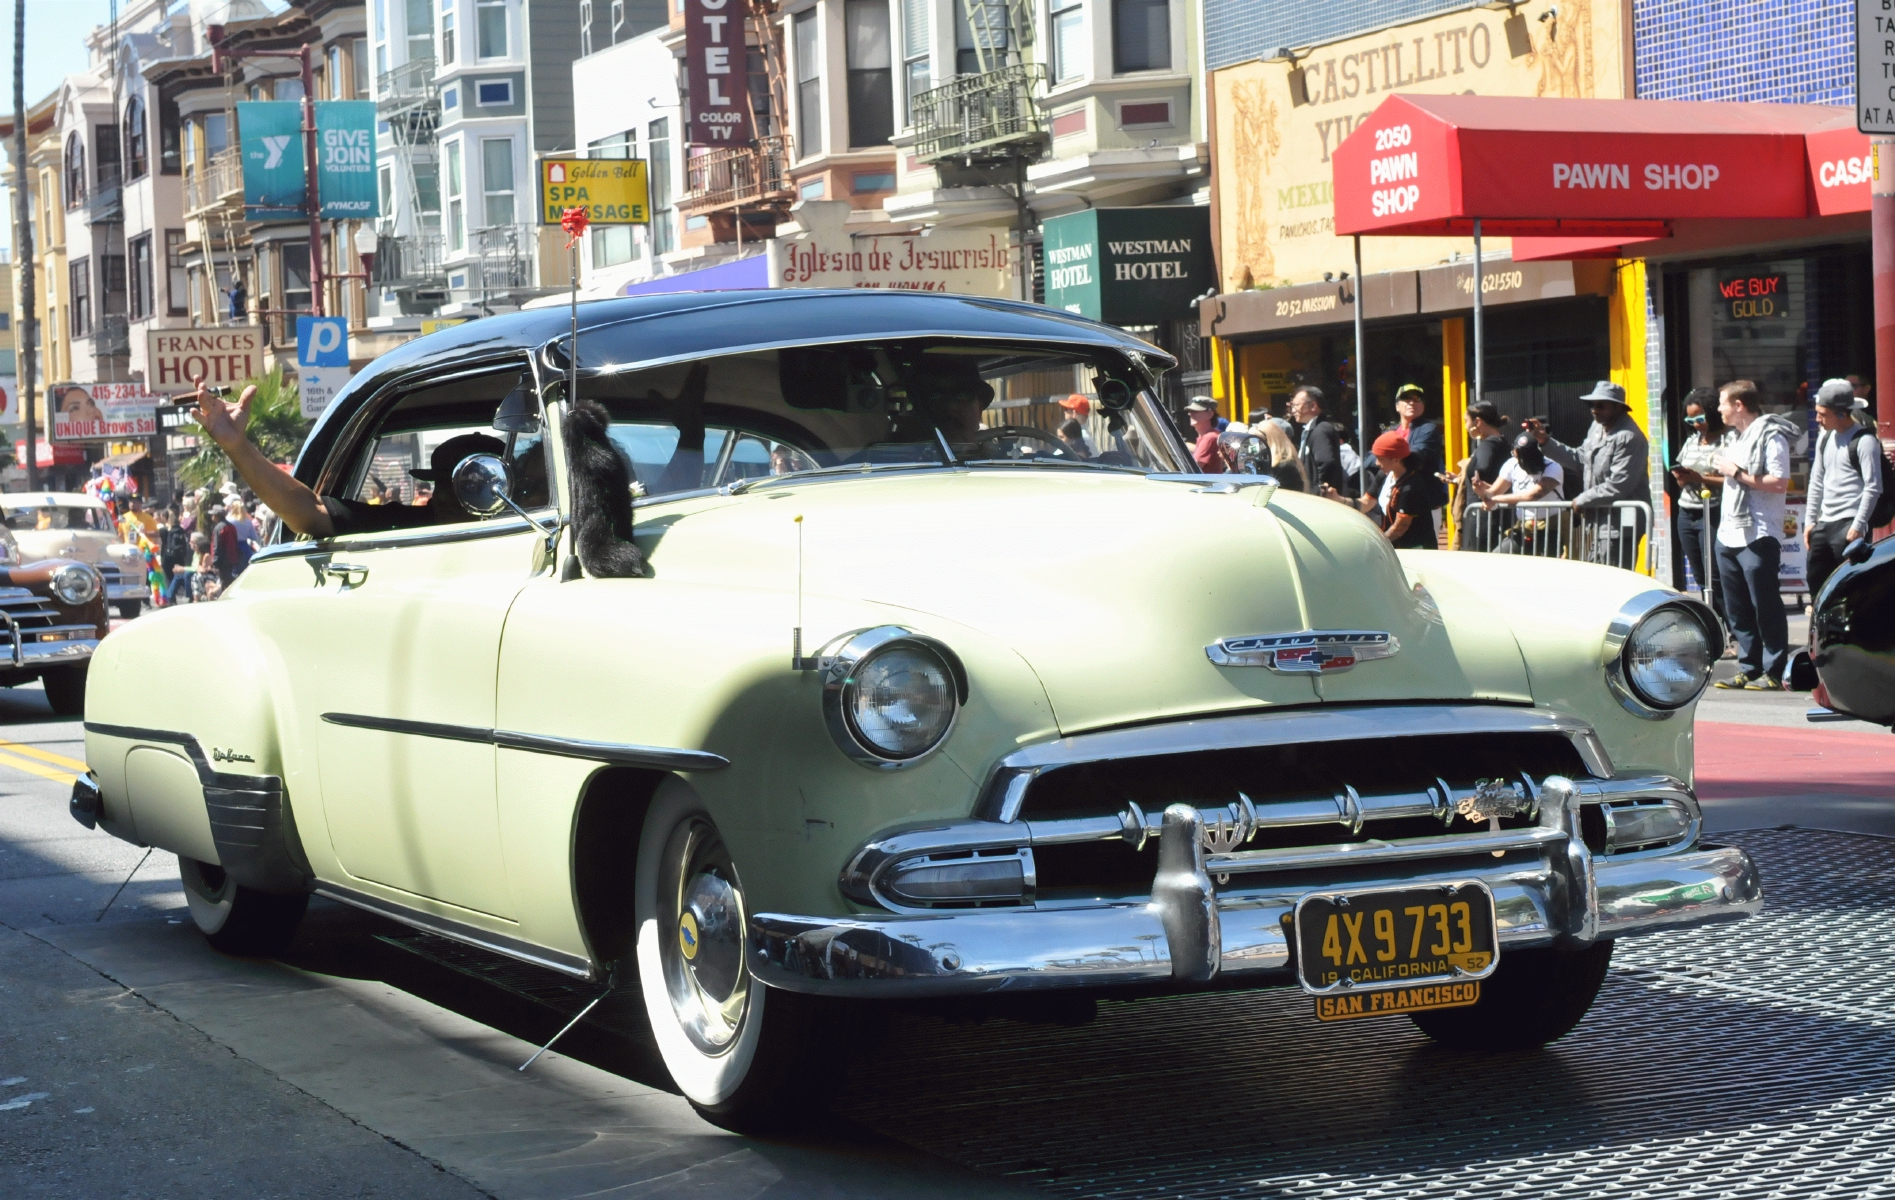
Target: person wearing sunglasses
[1700,489]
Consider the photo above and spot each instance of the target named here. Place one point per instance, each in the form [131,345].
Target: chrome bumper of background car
[1192,931]
[136,590]
[57,645]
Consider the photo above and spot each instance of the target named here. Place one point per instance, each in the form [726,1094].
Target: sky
[55,48]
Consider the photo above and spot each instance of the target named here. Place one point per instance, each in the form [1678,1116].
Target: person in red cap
[1404,505]
[1072,430]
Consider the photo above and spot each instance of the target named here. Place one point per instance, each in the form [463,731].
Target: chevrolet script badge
[1311,652]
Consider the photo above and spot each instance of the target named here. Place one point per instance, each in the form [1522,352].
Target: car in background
[1852,637]
[75,526]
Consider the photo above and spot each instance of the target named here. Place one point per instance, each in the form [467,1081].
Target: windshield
[882,405]
[57,516]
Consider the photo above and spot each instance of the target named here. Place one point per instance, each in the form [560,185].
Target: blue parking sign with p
[322,342]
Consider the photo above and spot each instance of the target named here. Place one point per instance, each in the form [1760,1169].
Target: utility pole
[311,199]
[23,242]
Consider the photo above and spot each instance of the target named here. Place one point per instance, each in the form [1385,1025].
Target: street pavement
[135,1061]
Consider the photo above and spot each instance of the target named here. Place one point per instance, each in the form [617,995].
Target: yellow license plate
[1393,1002]
[1397,938]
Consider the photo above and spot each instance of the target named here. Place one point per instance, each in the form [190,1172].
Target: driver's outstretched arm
[291,499]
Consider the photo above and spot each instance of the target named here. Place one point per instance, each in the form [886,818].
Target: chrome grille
[1313,794]
[27,610]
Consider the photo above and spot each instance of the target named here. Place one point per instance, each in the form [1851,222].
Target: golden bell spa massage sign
[1276,128]
[612,191]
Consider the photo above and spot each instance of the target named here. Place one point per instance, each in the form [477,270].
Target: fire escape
[739,186]
[410,263]
[987,121]
[984,129]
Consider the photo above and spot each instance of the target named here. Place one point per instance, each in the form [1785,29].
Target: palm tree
[277,426]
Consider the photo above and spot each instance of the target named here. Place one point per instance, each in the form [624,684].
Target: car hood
[1110,586]
[82,545]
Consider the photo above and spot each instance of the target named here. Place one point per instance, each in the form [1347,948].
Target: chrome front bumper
[136,590]
[22,649]
[1191,930]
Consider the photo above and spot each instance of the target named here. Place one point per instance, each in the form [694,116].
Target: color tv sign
[717,64]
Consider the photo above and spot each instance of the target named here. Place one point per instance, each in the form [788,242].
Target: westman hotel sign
[219,357]
[1275,209]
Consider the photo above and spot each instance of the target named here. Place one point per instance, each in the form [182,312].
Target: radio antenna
[796,634]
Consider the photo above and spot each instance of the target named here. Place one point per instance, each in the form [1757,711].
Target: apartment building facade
[469,94]
[921,115]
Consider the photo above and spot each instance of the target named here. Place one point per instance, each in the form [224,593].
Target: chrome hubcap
[702,950]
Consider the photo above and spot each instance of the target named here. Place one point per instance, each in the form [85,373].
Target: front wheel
[1532,998]
[236,919]
[66,690]
[129,609]
[748,1059]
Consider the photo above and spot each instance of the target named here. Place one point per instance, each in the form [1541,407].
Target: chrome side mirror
[483,485]
[517,412]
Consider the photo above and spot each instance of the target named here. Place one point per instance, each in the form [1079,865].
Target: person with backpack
[1756,471]
[1849,497]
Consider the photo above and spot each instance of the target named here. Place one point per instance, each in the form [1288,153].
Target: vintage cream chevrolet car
[76,526]
[912,699]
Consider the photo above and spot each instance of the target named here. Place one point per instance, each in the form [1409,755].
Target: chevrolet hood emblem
[1311,652]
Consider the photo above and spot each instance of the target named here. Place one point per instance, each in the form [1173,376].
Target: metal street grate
[1748,1060]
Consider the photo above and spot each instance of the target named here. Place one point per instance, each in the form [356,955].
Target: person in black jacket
[1321,448]
[1487,429]
[172,544]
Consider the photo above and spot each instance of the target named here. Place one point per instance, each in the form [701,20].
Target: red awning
[1601,173]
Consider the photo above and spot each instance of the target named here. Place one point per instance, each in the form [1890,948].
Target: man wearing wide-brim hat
[1615,460]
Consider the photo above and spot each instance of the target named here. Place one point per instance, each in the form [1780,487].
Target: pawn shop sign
[612,191]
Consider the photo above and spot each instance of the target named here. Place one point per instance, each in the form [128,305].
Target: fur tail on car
[602,496]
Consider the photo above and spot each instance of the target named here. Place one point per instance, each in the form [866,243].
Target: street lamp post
[311,198]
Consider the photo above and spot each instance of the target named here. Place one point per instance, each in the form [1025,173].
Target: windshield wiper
[738,487]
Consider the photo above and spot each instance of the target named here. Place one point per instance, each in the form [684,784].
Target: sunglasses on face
[1694,420]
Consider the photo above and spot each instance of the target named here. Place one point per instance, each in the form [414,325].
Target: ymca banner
[345,150]
[271,140]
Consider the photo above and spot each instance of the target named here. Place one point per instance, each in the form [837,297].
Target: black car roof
[642,331]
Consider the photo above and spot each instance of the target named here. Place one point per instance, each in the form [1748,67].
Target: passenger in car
[317,516]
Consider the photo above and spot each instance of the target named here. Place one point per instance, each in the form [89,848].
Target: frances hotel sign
[1276,220]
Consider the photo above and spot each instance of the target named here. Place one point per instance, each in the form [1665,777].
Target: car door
[390,643]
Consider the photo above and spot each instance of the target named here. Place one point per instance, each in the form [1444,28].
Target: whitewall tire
[747,1058]
[237,919]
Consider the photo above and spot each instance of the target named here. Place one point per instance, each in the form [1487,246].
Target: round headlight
[75,584]
[890,696]
[902,701]
[1668,658]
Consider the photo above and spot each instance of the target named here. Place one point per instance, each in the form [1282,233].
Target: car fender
[1557,612]
[165,781]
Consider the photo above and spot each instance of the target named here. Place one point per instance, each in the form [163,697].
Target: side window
[401,474]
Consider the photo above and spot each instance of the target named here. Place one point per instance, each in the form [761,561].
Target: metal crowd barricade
[1616,535]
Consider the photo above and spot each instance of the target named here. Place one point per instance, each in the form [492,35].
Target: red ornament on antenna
[574,222]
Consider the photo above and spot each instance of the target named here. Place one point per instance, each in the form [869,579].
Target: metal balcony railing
[220,179]
[504,257]
[987,117]
[411,82]
[725,178]
[112,338]
[411,262]
[106,205]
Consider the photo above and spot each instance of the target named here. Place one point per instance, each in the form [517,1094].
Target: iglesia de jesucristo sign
[1129,266]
